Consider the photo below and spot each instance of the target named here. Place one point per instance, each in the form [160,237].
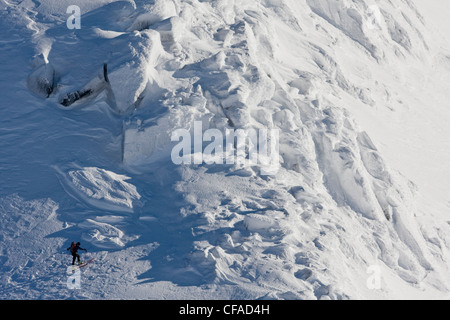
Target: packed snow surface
[358,91]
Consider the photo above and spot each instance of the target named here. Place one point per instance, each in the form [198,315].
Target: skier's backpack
[73,247]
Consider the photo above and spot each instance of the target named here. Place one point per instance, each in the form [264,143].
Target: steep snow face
[337,220]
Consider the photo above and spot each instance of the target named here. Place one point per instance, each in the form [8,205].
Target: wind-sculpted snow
[42,80]
[359,19]
[101,186]
[346,18]
[311,70]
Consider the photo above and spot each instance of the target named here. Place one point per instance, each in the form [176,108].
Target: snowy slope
[357,90]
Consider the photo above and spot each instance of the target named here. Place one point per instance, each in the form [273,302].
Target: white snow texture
[358,92]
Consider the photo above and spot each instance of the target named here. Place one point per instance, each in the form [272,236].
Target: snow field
[323,72]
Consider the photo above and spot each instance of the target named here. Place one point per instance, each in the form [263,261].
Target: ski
[83,264]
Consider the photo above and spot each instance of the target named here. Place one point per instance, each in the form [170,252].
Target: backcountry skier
[74,247]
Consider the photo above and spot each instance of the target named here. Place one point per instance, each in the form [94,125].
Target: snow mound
[137,74]
[257,222]
[158,11]
[42,80]
[101,234]
[104,189]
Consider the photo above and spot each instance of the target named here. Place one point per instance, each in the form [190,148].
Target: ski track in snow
[339,86]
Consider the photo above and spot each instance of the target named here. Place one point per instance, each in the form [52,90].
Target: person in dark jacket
[74,247]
